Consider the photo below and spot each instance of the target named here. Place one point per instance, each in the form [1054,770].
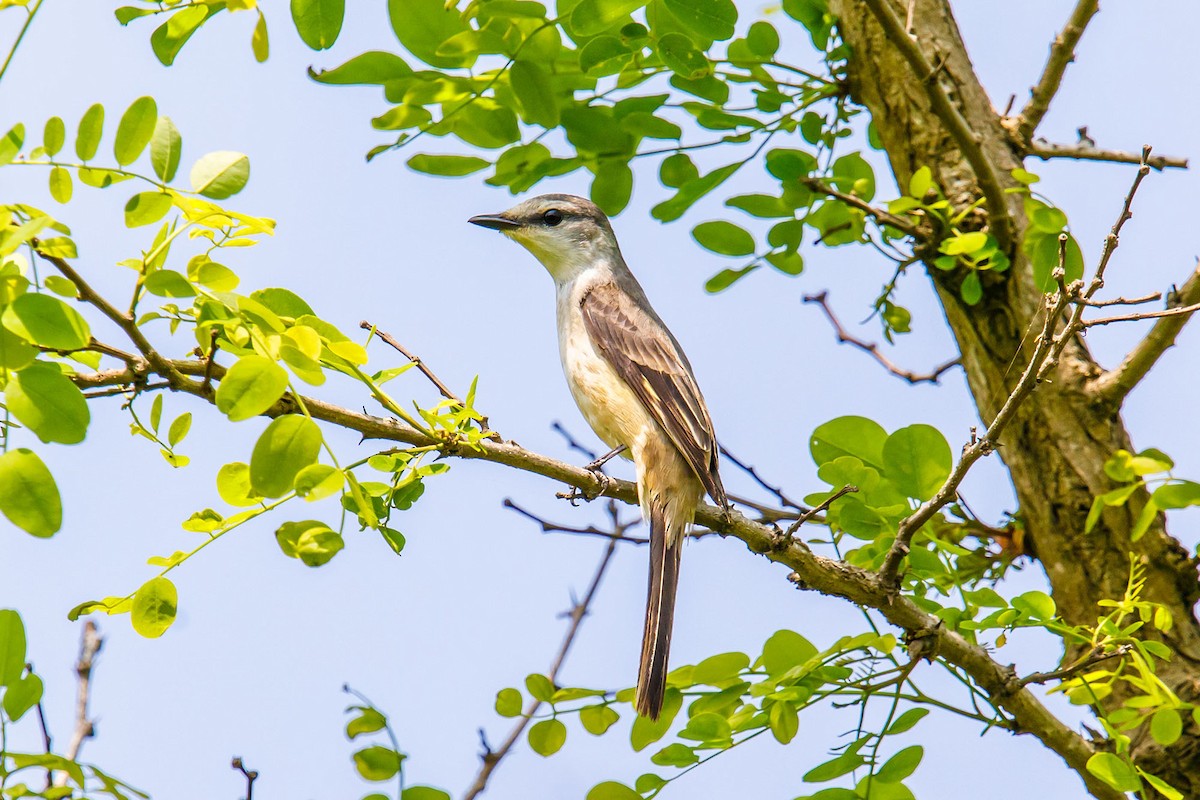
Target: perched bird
[635,388]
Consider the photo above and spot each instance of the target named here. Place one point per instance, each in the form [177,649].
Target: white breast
[605,400]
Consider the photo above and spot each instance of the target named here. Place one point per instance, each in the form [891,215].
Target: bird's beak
[497,222]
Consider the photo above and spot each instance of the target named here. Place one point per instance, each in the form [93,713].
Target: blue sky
[254,665]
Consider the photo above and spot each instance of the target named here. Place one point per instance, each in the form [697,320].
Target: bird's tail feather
[665,549]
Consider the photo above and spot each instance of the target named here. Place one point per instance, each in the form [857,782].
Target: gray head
[568,234]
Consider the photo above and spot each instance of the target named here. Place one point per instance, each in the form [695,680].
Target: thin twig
[825,504]
[1096,656]
[1062,53]
[572,442]
[956,124]
[416,360]
[1113,239]
[886,217]
[1182,311]
[251,776]
[1124,301]
[873,349]
[1086,152]
[590,530]
[89,647]
[1045,354]
[753,473]
[492,758]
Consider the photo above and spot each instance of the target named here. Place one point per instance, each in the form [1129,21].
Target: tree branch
[89,646]
[1090,659]
[1062,53]
[1120,380]
[872,349]
[885,217]
[956,124]
[1087,152]
[492,758]
[250,775]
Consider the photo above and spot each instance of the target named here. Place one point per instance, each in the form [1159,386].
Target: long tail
[660,613]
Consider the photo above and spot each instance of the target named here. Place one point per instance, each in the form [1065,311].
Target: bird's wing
[646,356]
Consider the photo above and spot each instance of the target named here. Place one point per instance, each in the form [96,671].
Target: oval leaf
[45,400]
[221,174]
[724,238]
[154,607]
[318,21]
[28,495]
[47,321]
[250,387]
[135,130]
[289,444]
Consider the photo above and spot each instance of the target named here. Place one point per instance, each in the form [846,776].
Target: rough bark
[1056,448]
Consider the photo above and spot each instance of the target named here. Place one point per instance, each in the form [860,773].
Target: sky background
[255,663]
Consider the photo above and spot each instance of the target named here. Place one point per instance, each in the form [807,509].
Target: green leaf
[712,19]
[154,607]
[920,183]
[1180,494]
[690,192]
[165,146]
[612,186]
[539,687]
[318,481]
[1038,605]
[377,763]
[726,278]
[508,702]
[724,238]
[371,68]
[647,731]
[146,208]
[91,127]
[1162,787]
[597,719]
[250,387]
[675,755]
[785,650]
[47,321]
[1115,771]
[532,85]
[318,21]
[221,174]
[604,55]
[311,541]
[596,16]
[680,54]
[907,720]
[368,720]
[918,460]
[260,41]
[135,130]
[676,170]
[1166,726]
[611,790]
[10,145]
[29,497]
[849,436]
[12,647]
[901,765]
[22,696]
[289,444]
[762,39]
[788,165]
[707,727]
[447,165]
[170,37]
[45,400]
[54,135]
[718,669]
[423,25]
[168,283]
[233,485]
[423,793]
[834,768]
[784,720]
[179,428]
[61,186]
[547,737]
[971,289]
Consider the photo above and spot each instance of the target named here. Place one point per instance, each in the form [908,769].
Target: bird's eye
[552,217]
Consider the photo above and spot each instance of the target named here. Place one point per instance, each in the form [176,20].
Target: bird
[634,386]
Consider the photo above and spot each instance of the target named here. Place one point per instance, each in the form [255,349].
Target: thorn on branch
[873,349]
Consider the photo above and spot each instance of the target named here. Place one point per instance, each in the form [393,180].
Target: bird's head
[568,234]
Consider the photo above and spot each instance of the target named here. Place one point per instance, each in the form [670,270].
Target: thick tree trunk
[1056,447]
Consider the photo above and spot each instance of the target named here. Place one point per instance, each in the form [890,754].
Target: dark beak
[496,222]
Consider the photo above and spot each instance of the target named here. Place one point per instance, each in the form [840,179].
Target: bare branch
[492,758]
[1087,152]
[1090,659]
[873,349]
[880,214]
[89,646]
[590,530]
[1044,356]
[956,124]
[1124,301]
[1113,239]
[753,473]
[826,503]
[1062,53]
[421,365]
[251,776]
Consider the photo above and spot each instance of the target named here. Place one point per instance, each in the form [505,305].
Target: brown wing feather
[645,354]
